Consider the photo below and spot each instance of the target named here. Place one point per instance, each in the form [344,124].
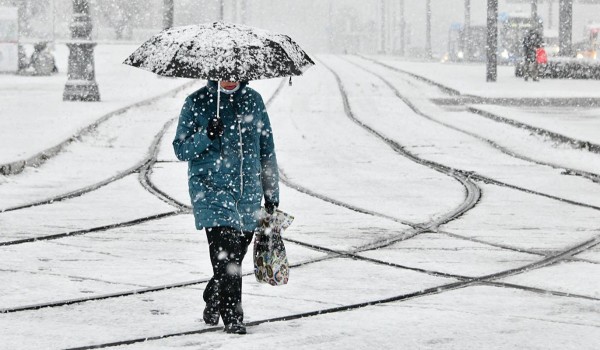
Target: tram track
[181,208]
[141,164]
[144,179]
[588,175]
[557,137]
[144,167]
[435,290]
[331,254]
[399,298]
[471,198]
[38,159]
[432,226]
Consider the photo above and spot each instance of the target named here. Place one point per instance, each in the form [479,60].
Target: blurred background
[365,26]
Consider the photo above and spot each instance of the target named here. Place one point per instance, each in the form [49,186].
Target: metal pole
[428,51]
[243,10]
[565,27]
[234,8]
[550,14]
[81,85]
[492,41]
[534,9]
[382,29]
[467,30]
[222,10]
[535,19]
[402,29]
[168,13]
[331,39]
[53,22]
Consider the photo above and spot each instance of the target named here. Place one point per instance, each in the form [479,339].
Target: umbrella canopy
[220,51]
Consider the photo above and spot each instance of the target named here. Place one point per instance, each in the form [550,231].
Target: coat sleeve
[268,159]
[191,138]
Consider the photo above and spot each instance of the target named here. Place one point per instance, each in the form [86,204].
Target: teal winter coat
[228,176]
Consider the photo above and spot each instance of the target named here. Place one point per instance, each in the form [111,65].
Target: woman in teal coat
[231,167]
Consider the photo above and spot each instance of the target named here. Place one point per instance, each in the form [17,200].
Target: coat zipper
[239,124]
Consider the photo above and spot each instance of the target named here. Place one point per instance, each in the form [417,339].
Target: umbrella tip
[290,81]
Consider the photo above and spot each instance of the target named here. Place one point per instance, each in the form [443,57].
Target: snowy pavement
[417,226]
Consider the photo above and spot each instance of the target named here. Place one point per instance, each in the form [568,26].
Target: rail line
[16,167]
[472,191]
[473,175]
[439,289]
[402,297]
[144,168]
[575,143]
[472,196]
[81,191]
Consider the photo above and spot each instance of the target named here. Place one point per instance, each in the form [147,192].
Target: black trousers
[227,247]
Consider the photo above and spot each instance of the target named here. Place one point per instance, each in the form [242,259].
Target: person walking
[531,43]
[232,165]
[225,135]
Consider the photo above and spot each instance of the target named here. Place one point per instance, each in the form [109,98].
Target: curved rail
[40,158]
[486,179]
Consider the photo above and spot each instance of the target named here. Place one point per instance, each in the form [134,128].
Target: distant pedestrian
[231,167]
[531,43]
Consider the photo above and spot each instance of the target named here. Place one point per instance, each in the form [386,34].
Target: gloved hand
[270,207]
[215,128]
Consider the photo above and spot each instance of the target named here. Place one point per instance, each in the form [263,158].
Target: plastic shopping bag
[541,56]
[270,259]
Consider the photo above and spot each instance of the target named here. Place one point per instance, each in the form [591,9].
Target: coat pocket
[200,187]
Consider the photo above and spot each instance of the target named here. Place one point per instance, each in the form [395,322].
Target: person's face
[229,85]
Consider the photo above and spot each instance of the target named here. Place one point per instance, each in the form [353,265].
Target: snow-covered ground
[32,107]
[518,269]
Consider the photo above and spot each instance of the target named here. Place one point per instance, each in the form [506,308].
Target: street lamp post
[428,50]
[534,10]
[243,12]
[168,14]
[402,28]
[467,30]
[81,85]
[492,41]
[383,25]
[550,14]
[565,27]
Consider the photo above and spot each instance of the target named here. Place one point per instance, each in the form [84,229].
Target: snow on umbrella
[220,51]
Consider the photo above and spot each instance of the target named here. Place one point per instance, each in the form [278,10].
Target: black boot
[235,328]
[211,314]
[211,310]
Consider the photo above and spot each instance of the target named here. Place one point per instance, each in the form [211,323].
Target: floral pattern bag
[270,259]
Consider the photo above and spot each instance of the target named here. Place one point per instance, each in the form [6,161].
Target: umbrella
[220,51]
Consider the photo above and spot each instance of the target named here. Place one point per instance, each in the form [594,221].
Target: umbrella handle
[219,115]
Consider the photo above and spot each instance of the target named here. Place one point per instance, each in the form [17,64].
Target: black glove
[270,207]
[215,128]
